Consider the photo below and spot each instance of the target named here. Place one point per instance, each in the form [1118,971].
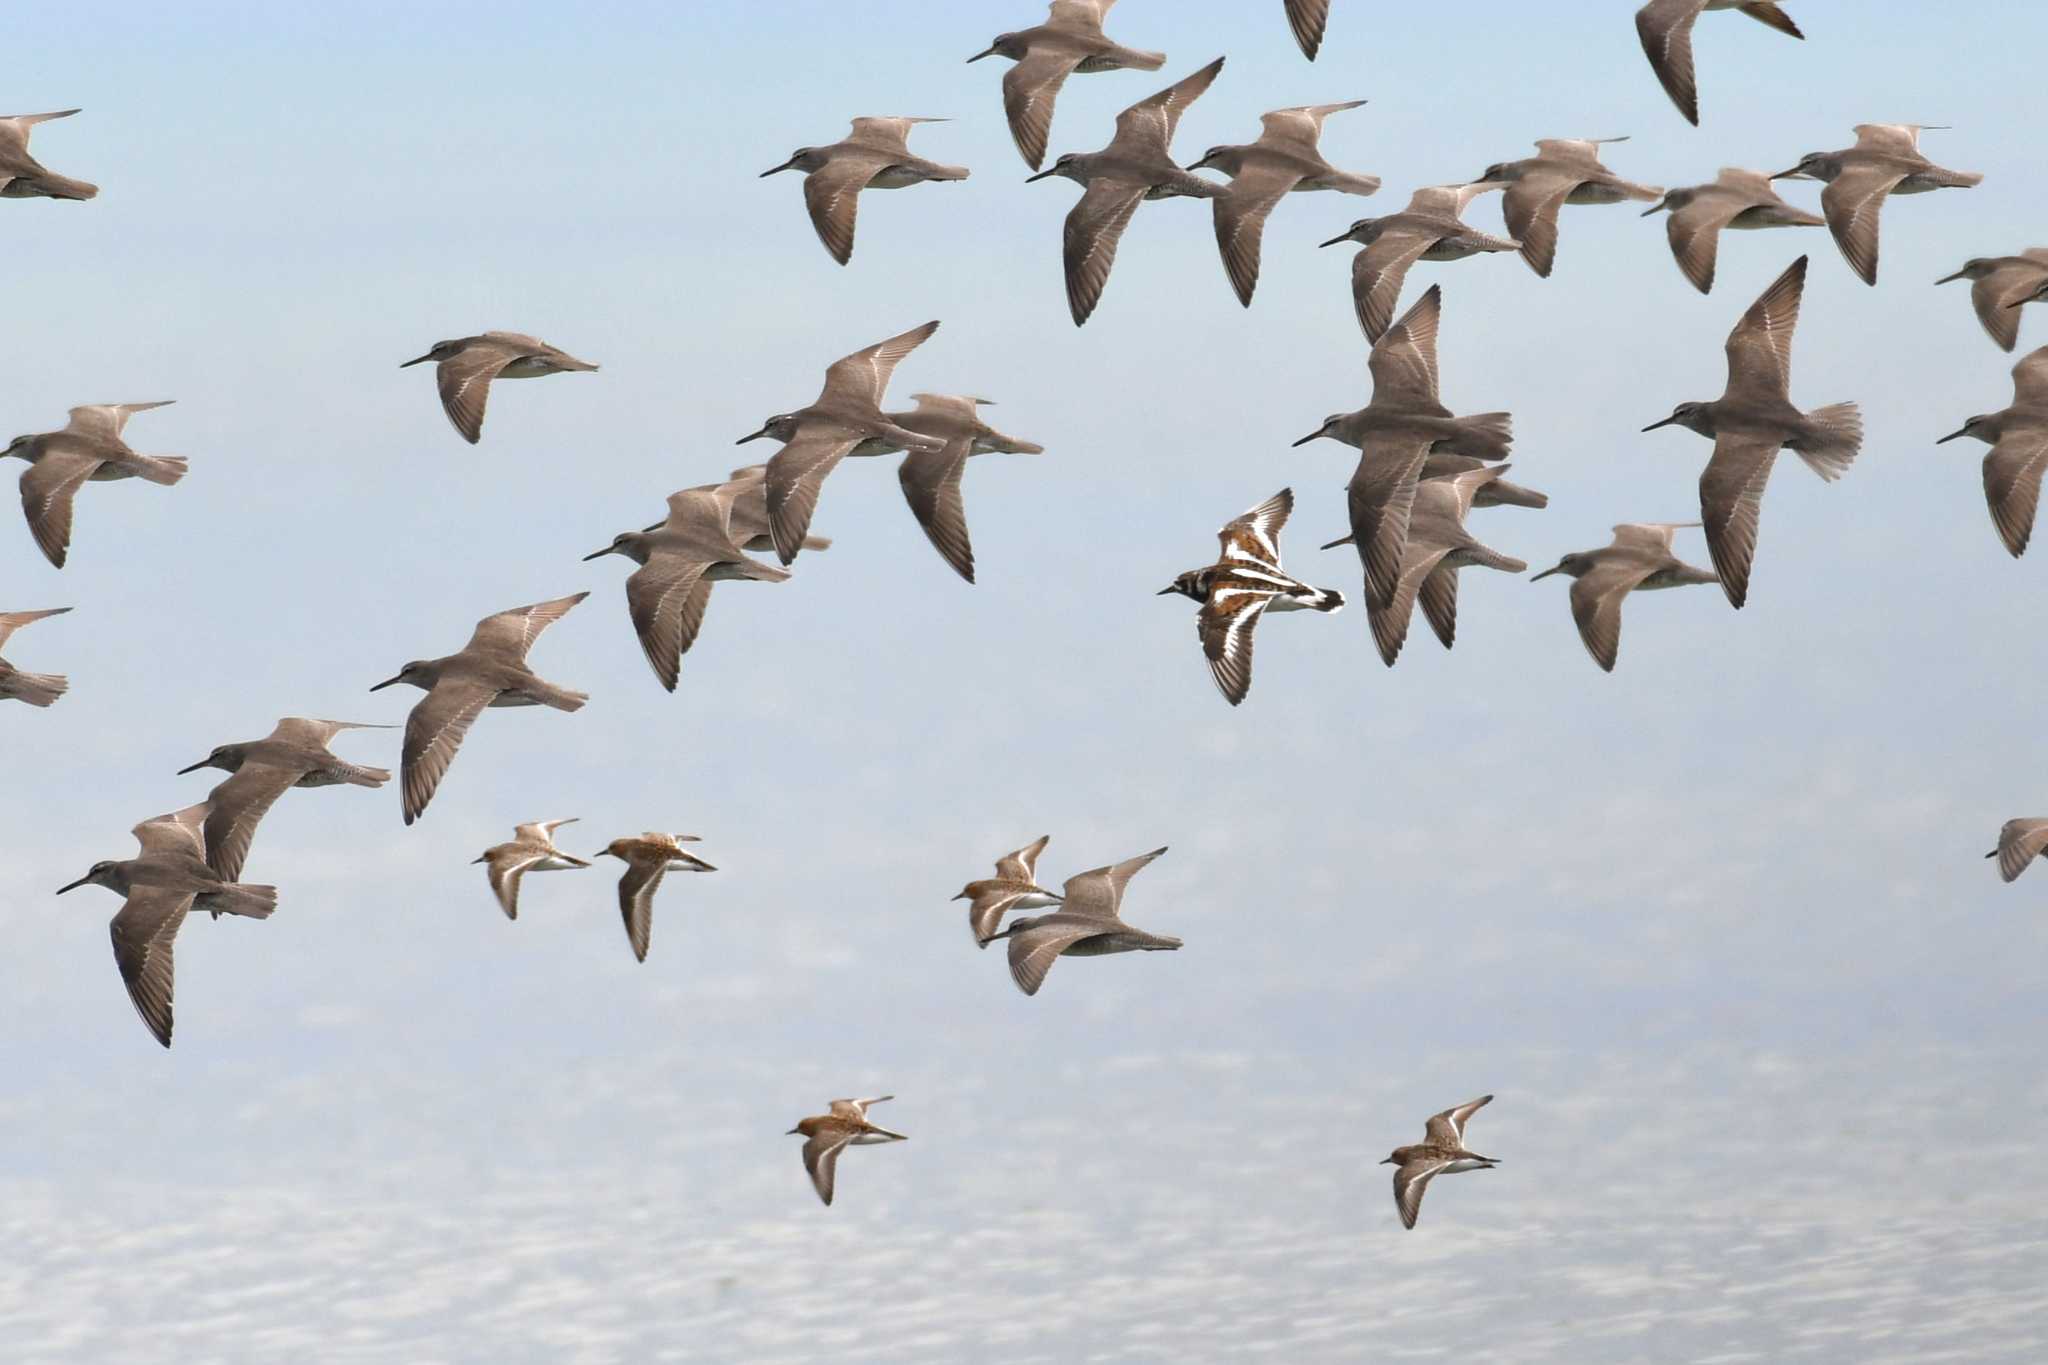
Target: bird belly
[1595,192]
[1451,249]
[526,367]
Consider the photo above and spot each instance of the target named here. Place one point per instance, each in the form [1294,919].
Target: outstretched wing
[1760,347]
[931,485]
[1226,622]
[1097,893]
[1410,1181]
[1147,127]
[832,194]
[865,374]
[433,732]
[47,491]
[1665,26]
[1403,361]
[514,631]
[143,932]
[1254,536]
[1029,91]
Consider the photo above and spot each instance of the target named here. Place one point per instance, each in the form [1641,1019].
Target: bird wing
[1731,502]
[1097,893]
[1448,1128]
[239,805]
[1665,26]
[11,621]
[1030,89]
[2030,380]
[319,733]
[179,832]
[513,631]
[1147,127]
[1389,621]
[931,485]
[1410,1180]
[1695,234]
[1226,622]
[1996,299]
[636,902]
[1438,598]
[656,596]
[1300,128]
[1022,866]
[887,134]
[821,1157]
[2019,843]
[465,383]
[864,375]
[796,475]
[433,732]
[1254,537]
[1381,500]
[1530,209]
[1900,139]
[2012,483]
[986,911]
[1658,537]
[1308,19]
[1852,203]
[1403,360]
[1095,225]
[1377,274]
[832,194]
[1760,347]
[47,490]
[1240,214]
[143,931]
[1596,605]
[504,865]
[1082,15]
[1033,952]
[106,421]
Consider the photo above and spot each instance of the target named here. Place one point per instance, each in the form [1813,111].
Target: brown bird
[1665,26]
[2000,286]
[1429,229]
[1640,558]
[532,850]
[827,1135]
[876,155]
[931,478]
[295,754]
[88,449]
[1441,1152]
[1737,199]
[1885,161]
[2019,843]
[1014,887]
[2018,437]
[37,689]
[24,177]
[465,367]
[647,858]
[1070,40]
[1087,924]
[1563,171]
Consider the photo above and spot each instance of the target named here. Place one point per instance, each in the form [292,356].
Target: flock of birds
[1421,470]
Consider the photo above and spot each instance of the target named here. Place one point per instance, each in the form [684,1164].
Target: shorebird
[749,524]
[1136,165]
[488,671]
[1752,420]
[465,367]
[532,850]
[295,754]
[1640,558]
[1885,161]
[679,561]
[1563,171]
[2000,286]
[815,439]
[931,478]
[168,879]
[1308,18]
[1495,493]
[88,448]
[1441,1152]
[876,155]
[1087,924]
[1070,40]
[1395,434]
[846,1124]
[37,689]
[647,858]
[1286,159]
[1665,27]
[1429,229]
[1736,199]
[1243,584]
[24,177]
[2018,437]
[1014,887]
[2019,843]
[1438,545]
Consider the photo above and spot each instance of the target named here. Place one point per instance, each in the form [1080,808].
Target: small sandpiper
[164,883]
[465,367]
[1014,887]
[89,448]
[37,689]
[532,850]
[1308,19]
[24,177]
[1087,924]
[931,478]
[1442,1151]
[1885,161]
[1286,159]
[647,858]
[488,671]
[1665,26]
[2000,286]
[1070,40]
[2018,437]
[294,754]
[876,155]
[2019,843]
[1640,558]
[1429,229]
[1243,584]
[1563,171]
[1137,165]
[1736,199]
[1752,420]
[844,1125]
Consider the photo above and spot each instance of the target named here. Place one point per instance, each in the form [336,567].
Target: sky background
[1716,930]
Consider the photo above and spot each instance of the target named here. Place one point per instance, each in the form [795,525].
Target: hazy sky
[1716,930]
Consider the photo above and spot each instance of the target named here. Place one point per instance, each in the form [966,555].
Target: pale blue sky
[1716,929]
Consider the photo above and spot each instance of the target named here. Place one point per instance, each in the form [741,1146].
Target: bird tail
[1487,435]
[358,775]
[1836,438]
[1487,558]
[879,1131]
[37,689]
[813,543]
[1958,180]
[165,469]
[1349,183]
[49,185]
[255,902]
[1501,493]
[1325,600]
[562,699]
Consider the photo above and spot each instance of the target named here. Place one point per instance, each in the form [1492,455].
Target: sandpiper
[1087,924]
[168,879]
[2000,286]
[1136,165]
[1441,1152]
[1886,160]
[488,671]
[1070,40]
[465,367]
[815,439]
[749,524]
[1665,26]
[1438,545]
[1563,171]
[37,689]
[1640,558]
[1308,19]
[2018,437]
[680,560]
[1394,435]
[1243,584]
[1014,887]
[24,177]
[1736,199]
[2019,843]
[876,155]
[647,858]
[532,850]
[846,1124]
[1429,229]
[88,448]
[1495,493]
[931,478]
[1752,420]
[294,754]
[1286,159]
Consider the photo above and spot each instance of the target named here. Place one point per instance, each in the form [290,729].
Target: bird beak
[420,361]
[1197,165]
[792,1132]
[755,437]
[1657,207]
[1545,574]
[1665,423]
[775,170]
[75,885]
[1163,592]
[1952,436]
[1388,1162]
[1794,174]
[195,767]
[1306,439]
[598,555]
[1950,279]
[1050,170]
[1341,540]
[988,52]
[1992,854]
[1340,237]
[388,682]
